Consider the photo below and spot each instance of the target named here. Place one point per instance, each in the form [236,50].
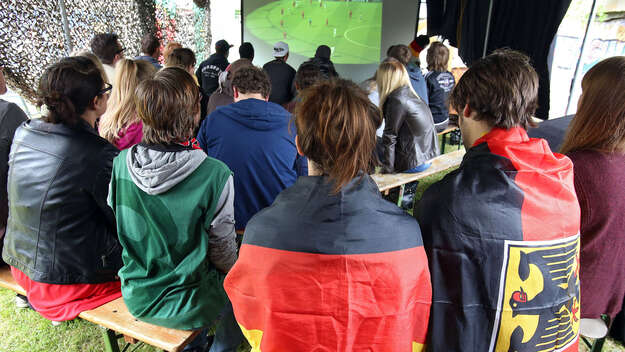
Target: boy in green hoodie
[175,215]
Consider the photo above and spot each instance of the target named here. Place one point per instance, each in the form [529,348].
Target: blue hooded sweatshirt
[257,142]
[418,82]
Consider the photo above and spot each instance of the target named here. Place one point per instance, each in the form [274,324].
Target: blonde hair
[390,76]
[599,123]
[120,110]
[171,46]
[91,56]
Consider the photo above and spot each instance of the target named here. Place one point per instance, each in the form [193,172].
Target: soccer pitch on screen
[352,29]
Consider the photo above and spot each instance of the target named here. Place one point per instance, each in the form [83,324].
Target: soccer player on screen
[350,14]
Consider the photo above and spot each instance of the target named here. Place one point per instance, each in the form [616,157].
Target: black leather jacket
[409,137]
[60,228]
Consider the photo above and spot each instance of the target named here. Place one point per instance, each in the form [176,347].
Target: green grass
[354,40]
[23,330]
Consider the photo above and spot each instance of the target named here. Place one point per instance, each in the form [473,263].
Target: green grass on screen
[354,40]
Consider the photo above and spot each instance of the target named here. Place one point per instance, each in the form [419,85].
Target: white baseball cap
[280,49]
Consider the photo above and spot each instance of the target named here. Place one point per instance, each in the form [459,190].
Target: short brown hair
[336,126]
[150,43]
[237,65]
[501,88]
[437,57]
[168,105]
[307,75]
[105,46]
[252,79]
[180,57]
[401,53]
[599,123]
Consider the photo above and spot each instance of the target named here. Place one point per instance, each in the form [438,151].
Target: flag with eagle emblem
[502,237]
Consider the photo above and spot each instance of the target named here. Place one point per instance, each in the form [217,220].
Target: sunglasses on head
[107,88]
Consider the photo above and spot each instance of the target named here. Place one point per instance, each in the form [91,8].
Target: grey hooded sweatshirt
[155,172]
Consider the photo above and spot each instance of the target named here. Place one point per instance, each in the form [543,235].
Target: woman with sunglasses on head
[595,142]
[61,241]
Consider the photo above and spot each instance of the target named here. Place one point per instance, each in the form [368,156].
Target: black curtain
[528,26]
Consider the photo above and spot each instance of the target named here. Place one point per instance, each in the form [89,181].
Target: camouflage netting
[32,35]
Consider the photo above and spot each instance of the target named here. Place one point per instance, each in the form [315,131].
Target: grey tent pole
[68,38]
[593,12]
[487,35]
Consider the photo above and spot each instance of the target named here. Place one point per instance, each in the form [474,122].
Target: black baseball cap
[222,45]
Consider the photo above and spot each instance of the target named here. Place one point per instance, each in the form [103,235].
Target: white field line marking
[354,42]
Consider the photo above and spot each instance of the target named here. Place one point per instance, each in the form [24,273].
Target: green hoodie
[165,203]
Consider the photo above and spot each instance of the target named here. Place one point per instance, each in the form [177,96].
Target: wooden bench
[386,182]
[118,322]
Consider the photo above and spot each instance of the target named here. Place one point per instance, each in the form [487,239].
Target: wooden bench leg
[110,341]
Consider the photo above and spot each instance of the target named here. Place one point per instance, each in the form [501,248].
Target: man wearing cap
[281,75]
[210,69]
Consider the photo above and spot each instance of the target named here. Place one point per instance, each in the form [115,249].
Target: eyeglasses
[121,50]
[107,88]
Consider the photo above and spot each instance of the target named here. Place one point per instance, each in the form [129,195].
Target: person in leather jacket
[61,240]
[409,139]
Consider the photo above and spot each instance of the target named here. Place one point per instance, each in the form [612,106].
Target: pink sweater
[129,136]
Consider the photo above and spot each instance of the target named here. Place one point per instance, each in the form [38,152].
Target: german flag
[321,272]
[502,238]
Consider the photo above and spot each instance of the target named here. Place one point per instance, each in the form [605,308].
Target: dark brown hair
[401,53]
[150,43]
[105,46]
[336,126]
[237,65]
[437,57]
[307,75]
[599,123]
[501,88]
[67,89]
[181,57]
[168,105]
[252,79]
